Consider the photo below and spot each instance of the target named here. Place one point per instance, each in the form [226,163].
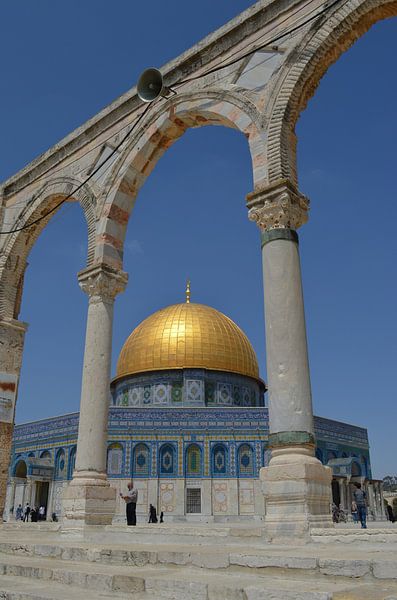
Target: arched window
[115,459]
[331,455]
[193,461]
[319,454]
[344,455]
[31,455]
[167,460]
[356,469]
[72,462]
[20,469]
[364,464]
[46,454]
[141,461]
[245,460]
[219,460]
[60,465]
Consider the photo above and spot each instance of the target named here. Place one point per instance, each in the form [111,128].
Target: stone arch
[20,469]
[297,81]
[18,245]
[46,454]
[158,131]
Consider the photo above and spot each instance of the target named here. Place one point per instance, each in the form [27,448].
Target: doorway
[41,497]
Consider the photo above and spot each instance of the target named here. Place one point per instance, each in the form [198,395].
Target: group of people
[131,499]
[35,513]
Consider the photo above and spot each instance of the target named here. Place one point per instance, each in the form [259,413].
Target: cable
[268,43]
[16,229]
[209,72]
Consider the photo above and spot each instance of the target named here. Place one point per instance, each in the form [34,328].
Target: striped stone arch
[296,83]
[18,245]
[157,132]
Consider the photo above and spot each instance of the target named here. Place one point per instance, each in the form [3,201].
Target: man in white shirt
[130,500]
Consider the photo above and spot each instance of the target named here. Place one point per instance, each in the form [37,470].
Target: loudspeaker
[150,85]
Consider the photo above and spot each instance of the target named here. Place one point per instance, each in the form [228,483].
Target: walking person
[130,500]
[26,513]
[19,513]
[360,498]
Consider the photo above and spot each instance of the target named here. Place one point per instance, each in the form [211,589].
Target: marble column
[297,487]
[12,337]
[89,499]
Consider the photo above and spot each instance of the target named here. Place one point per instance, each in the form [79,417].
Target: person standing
[130,500]
[42,513]
[18,513]
[26,512]
[360,499]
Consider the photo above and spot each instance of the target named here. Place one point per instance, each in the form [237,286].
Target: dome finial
[188,291]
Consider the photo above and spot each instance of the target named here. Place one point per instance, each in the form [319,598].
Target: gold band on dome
[187,335]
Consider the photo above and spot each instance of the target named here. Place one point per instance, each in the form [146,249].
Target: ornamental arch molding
[18,245]
[300,75]
[158,133]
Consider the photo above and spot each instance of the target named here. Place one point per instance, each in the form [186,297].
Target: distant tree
[390,483]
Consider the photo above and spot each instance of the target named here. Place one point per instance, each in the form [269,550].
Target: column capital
[102,283]
[278,206]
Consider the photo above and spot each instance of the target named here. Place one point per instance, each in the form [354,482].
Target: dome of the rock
[184,336]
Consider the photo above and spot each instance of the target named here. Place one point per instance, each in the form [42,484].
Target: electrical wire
[264,45]
[177,84]
[81,185]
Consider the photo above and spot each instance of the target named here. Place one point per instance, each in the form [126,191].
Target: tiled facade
[169,450]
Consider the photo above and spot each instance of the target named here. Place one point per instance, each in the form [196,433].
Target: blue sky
[62,62]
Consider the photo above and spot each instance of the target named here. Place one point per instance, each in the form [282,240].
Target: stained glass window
[193,461]
[245,460]
[72,462]
[219,460]
[60,463]
[167,459]
[115,459]
[140,464]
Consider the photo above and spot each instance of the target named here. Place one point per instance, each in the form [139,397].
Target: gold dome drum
[187,335]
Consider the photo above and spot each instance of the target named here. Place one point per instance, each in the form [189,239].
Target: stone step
[310,560]
[155,582]
[350,535]
[23,588]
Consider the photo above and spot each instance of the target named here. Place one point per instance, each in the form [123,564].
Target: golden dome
[187,336]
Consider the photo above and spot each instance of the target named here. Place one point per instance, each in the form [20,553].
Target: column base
[297,490]
[88,501]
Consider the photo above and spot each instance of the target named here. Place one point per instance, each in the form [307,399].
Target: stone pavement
[195,562]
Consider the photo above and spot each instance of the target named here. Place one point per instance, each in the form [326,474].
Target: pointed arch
[296,82]
[159,130]
[167,460]
[193,461]
[18,245]
[141,461]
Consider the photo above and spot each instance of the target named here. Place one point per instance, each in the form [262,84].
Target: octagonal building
[188,422]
